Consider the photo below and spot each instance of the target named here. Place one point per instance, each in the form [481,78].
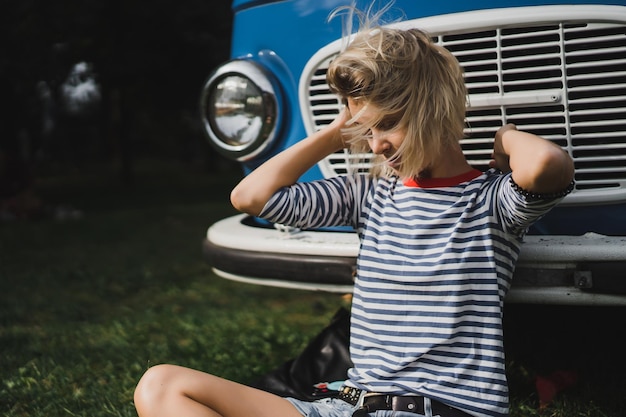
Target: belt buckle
[360,410]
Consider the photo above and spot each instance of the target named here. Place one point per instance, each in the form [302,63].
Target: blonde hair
[416,84]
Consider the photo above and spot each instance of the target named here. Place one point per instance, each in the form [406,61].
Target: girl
[439,241]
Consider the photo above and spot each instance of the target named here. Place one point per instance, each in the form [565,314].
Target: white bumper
[584,270]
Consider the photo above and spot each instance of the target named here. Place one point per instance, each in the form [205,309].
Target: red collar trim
[442,182]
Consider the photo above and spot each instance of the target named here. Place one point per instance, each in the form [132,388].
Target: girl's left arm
[537,165]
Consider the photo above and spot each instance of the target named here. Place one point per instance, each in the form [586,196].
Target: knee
[152,388]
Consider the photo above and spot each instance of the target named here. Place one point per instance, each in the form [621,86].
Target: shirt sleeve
[517,210]
[325,203]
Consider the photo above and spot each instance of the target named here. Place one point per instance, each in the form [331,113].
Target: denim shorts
[334,407]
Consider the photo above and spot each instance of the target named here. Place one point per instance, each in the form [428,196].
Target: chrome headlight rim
[269,91]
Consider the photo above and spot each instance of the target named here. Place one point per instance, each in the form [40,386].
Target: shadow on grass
[573,352]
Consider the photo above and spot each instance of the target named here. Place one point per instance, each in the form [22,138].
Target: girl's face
[382,141]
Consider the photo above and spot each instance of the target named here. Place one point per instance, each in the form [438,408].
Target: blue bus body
[281,39]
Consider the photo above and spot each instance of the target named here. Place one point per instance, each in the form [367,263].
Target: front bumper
[578,270]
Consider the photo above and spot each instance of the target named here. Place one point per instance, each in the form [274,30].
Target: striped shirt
[433,268]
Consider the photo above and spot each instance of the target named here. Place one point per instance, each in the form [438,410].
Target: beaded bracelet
[541,196]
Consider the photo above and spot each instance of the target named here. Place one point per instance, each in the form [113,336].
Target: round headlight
[240,109]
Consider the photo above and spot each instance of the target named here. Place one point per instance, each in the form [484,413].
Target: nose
[378,143]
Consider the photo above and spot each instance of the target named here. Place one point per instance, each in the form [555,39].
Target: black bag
[325,359]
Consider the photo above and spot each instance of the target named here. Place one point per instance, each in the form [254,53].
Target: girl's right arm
[284,169]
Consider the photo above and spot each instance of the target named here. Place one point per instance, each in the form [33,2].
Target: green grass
[87,305]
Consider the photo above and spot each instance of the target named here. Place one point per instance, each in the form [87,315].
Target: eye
[388,123]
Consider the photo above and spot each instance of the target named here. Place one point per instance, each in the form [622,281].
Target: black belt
[370,402]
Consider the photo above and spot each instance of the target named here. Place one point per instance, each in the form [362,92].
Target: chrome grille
[561,80]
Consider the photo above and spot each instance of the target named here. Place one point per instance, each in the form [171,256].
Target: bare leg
[174,391]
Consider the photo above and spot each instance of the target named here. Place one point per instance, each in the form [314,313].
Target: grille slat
[621,87]
[606,148]
[563,80]
[618,64]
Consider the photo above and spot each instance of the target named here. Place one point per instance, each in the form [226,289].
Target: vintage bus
[555,68]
